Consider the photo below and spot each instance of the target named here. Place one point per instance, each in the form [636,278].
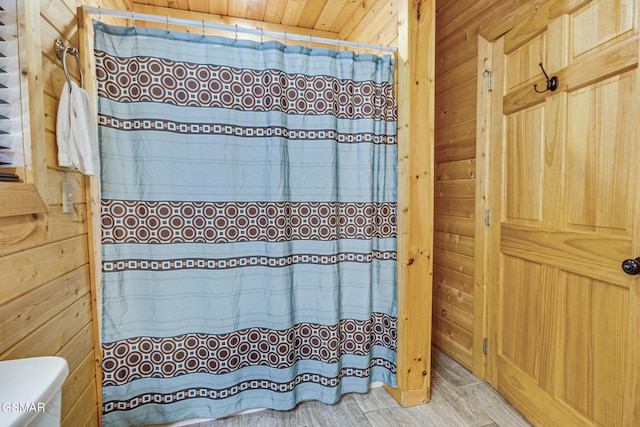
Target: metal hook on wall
[552,83]
[487,73]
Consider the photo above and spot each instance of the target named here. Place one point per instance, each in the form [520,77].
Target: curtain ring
[167,23]
[133,19]
[236,32]
[100,13]
[309,41]
[338,44]
[261,36]
[285,39]
[203,28]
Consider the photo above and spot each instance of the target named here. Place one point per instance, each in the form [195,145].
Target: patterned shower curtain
[248,224]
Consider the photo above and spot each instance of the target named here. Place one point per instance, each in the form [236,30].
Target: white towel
[77,131]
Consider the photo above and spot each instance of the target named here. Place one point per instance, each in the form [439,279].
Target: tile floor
[458,399]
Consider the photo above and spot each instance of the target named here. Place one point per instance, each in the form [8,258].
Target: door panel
[564,170]
[523,177]
[597,173]
[599,22]
[522,307]
[594,330]
[522,64]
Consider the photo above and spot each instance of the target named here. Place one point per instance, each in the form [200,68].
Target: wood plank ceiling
[326,15]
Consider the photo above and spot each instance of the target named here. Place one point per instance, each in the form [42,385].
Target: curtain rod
[232,28]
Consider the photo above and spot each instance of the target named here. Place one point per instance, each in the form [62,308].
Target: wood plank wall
[456,282]
[364,27]
[375,23]
[45,294]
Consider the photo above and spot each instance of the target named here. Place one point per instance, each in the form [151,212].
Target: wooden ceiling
[326,15]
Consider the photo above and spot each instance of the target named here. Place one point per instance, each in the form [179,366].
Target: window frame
[27,198]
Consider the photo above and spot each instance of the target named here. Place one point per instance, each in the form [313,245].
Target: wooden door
[565,207]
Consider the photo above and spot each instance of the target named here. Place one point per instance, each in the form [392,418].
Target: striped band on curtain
[248,224]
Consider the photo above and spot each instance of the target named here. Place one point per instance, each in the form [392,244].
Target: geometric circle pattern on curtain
[148,357]
[152,79]
[182,222]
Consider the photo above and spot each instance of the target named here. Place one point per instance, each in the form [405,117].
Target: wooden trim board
[416,105]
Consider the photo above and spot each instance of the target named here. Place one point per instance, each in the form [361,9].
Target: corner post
[92,191]
[416,104]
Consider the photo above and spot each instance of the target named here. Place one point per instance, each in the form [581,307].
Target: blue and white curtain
[248,224]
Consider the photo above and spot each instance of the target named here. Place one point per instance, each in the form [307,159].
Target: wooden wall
[458,271]
[45,296]
[364,27]
[455,152]
[373,23]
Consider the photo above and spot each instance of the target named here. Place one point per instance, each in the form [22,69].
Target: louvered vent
[11,148]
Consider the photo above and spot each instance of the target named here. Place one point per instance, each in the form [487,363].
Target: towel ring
[62,51]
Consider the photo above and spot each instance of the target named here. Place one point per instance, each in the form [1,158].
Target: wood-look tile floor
[458,399]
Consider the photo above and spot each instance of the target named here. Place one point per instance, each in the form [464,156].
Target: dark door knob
[631,266]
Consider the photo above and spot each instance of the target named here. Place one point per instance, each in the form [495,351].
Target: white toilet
[31,391]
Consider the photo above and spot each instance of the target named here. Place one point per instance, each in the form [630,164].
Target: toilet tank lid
[31,380]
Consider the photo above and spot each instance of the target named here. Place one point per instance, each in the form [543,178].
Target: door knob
[631,266]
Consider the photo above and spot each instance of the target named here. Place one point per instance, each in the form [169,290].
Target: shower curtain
[248,224]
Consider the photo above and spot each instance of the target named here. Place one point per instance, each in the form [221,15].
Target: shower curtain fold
[248,224]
